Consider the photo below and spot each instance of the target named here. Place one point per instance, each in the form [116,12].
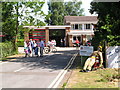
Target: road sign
[113,57]
[86,50]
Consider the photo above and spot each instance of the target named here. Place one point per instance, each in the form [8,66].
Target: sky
[85,5]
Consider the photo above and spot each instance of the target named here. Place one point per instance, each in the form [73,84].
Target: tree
[8,23]
[109,22]
[15,14]
[57,11]
[73,8]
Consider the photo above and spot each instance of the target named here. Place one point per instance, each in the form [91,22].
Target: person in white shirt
[41,45]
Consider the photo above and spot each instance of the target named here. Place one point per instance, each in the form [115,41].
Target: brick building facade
[76,27]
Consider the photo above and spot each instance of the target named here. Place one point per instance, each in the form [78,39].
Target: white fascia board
[95,22]
[58,27]
[81,32]
[50,27]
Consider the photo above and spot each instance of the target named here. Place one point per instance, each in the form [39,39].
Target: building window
[72,26]
[87,26]
[76,26]
[80,26]
[74,38]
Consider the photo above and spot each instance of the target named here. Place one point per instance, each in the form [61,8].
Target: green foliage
[33,13]
[17,14]
[20,43]
[108,75]
[8,22]
[7,49]
[73,8]
[57,11]
[108,24]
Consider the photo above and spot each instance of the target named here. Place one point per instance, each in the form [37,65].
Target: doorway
[57,35]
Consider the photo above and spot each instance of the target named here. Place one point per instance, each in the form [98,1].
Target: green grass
[93,80]
[101,78]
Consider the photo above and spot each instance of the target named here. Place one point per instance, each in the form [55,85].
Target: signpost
[85,51]
[113,57]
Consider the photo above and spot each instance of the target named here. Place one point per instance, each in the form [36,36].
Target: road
[35,72]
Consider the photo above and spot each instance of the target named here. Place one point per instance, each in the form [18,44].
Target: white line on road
[19,69]
[60,79]
[56,79]
[61,75]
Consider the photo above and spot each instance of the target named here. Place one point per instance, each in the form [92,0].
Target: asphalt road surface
[34,72]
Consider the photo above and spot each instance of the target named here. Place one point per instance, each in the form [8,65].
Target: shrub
[7,48]
[20,43]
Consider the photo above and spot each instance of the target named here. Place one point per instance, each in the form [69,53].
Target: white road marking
[60,79]
[56,79]
[3,63]
[61,75]
[19,70]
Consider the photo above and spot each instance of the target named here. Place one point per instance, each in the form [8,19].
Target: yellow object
[100,47]
[93,57]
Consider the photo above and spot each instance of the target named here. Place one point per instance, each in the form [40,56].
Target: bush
[7,48]
[20,43]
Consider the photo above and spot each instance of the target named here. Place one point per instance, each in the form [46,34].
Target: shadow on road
[55,61]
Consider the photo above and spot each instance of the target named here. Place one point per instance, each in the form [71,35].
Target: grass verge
[101,78]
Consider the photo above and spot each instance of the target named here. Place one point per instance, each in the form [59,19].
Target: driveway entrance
[57,34]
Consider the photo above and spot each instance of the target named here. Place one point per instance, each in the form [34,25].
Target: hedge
[7,49]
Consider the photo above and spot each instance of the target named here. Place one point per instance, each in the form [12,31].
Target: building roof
[69,19]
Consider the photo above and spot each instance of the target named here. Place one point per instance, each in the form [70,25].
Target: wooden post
[47,34]
[26,36]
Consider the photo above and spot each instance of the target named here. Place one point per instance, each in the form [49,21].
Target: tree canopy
[108,24]
[57,11]
[15,14]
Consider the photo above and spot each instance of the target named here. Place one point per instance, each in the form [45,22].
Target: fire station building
[75,27]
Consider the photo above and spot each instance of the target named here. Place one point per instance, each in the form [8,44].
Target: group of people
[31,47]
[51,43]
[78,43]
[62,42]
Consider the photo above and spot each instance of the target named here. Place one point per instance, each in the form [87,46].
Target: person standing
[41,45]
[36,48]
[32,46]
[77,43]
[53,42]
[27,48]
[61,42]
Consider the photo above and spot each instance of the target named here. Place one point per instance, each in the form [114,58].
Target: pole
[105,56]
[81,61]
